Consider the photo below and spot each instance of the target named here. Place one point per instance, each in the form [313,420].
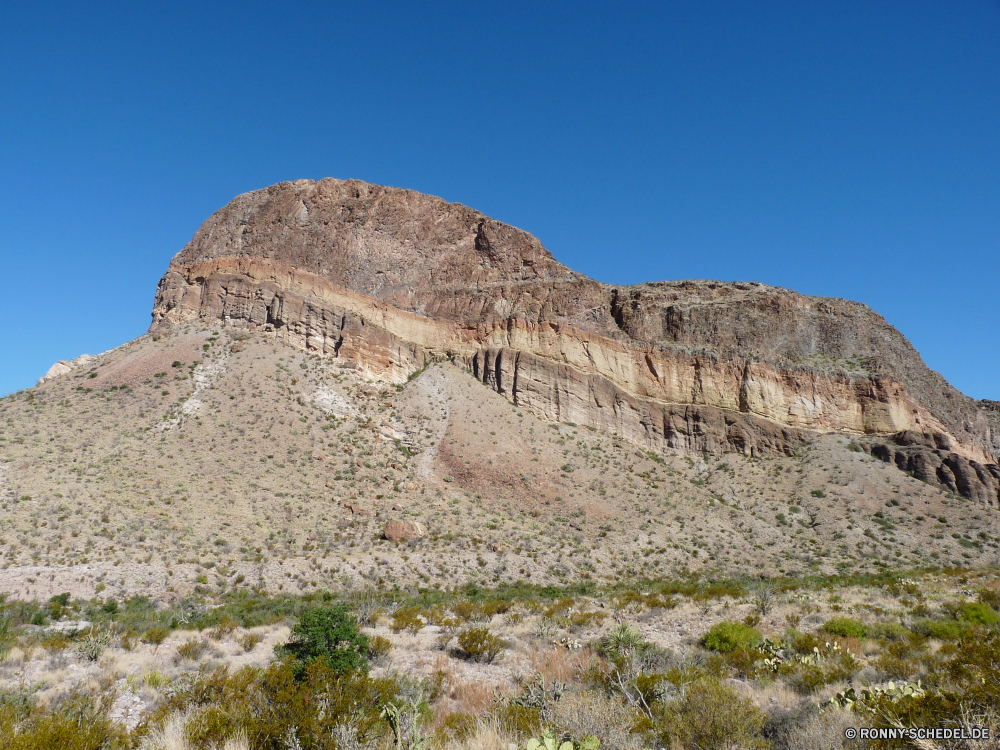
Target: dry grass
[559,663]
[461,693]
[609,720]
[489,734]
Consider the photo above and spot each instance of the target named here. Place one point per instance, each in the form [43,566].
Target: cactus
[893,691]
[535,694]
[405,737]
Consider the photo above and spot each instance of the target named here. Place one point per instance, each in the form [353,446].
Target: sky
[845,149]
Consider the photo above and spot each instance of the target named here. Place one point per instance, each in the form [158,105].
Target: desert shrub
[379,647]
[887,631]
[903,659]
[582,620]
[53,642]
[193,649]
[407,618]
[845,627]
[280,708]
[710,716]
[469,611]
[945,630]
[962,682]
[441,616]
[726,637]
[155,636]
[248,642]
[79,721]
[329,633]
[457,726]
[804,643]
[833,667]
[479,644]
[226,626]
[979,614]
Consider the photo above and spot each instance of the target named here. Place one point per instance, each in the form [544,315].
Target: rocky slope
[386,280]
[206,456]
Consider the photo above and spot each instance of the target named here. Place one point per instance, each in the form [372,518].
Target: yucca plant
[549,741]
[623,637]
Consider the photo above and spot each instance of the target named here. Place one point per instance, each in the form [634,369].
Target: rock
[69,627]
[59,368]
[385,279]
[923,456]
[397,531]
[397,507]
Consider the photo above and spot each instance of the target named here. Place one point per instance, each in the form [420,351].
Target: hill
[328,356]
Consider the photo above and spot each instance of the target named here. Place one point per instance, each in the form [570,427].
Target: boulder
[402,531]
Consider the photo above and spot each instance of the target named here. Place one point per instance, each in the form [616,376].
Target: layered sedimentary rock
[384,279]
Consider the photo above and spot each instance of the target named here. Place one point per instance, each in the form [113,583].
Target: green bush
[155,636]
[979,614]
[845,627]
[945,630]
[726,637]
[479,644]
[329,633]
[887,631]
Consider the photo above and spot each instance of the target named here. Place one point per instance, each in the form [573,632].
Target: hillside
[219,458]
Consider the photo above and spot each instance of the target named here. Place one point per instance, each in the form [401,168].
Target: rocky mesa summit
[387,280]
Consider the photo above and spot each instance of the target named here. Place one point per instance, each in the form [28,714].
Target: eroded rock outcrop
[385,279]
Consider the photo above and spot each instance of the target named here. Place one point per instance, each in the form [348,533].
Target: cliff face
[384,279]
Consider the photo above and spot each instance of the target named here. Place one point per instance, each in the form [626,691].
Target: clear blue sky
[849,149]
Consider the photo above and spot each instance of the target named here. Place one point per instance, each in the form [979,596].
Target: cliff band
[386,279]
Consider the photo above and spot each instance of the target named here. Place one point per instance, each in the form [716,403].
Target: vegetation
[479,644]
[727,637]
[330,634]
[846,627]
[602,679]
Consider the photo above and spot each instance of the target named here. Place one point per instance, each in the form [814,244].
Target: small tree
[329,633]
